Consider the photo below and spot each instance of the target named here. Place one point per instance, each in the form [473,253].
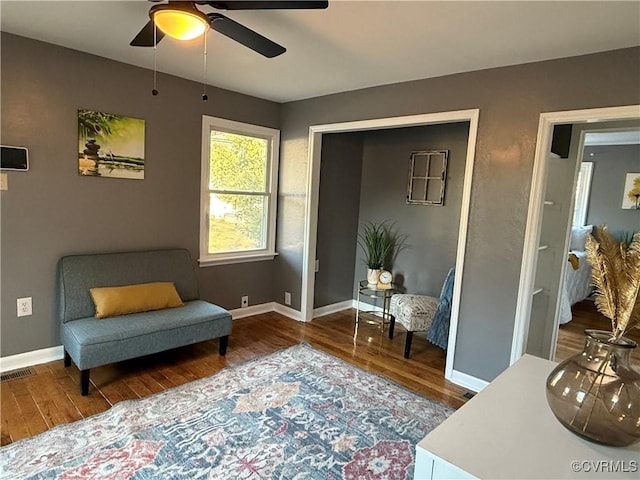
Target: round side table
[372,291]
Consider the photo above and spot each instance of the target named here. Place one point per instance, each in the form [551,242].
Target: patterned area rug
[295,414]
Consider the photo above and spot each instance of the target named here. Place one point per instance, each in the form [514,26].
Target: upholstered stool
[418,313]
[414,312]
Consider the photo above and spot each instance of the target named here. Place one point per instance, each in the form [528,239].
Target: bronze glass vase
[596,393]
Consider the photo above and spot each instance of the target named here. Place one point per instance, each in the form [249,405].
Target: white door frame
[534,219]
[313,187]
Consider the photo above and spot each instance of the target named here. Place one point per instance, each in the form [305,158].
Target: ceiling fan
[183,20]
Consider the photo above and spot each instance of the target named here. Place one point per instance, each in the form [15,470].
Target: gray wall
[339,200]
[610,167]
[432,231]
[510,100]
[51,211]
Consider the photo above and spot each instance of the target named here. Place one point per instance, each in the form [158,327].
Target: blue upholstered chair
[418,313]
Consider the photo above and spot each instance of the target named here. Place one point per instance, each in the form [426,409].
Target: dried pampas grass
[616,277]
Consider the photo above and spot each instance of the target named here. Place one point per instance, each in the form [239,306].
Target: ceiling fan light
[180,24]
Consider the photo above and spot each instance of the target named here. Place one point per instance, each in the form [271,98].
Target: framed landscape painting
[631,196]
[110,145]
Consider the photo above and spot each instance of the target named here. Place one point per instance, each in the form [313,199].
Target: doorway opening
[311,228]
[543,294]
[609,152]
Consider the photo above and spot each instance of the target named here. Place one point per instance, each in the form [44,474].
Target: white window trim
[214,123]
[582,200]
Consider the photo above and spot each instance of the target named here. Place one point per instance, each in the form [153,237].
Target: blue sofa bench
[92,342]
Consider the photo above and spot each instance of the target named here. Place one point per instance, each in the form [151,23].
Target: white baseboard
[366,307]
[266,308]
[333,308]
[467,381]
[28,359]
[287,311]
[295,314]
[252,310]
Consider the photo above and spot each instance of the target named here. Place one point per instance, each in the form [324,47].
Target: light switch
[4,181]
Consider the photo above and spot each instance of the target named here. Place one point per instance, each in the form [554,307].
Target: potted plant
[378,241]
[596,394]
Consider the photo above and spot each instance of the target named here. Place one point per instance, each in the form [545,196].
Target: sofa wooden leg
[224,341]
[67,359]
[392,323]
[84,382]
[407,344]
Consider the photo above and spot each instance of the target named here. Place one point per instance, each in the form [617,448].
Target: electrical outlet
[244,301]
[317,265]
[24,307]
[287,298]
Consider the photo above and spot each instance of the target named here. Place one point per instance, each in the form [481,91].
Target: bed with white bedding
[577,285]
[577,278]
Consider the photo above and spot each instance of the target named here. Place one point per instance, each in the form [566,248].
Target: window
[583,188]
[239,186]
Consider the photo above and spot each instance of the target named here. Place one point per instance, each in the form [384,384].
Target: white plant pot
[372,276]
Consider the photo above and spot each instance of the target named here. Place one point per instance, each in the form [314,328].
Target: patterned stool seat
[413,312]
[416,313]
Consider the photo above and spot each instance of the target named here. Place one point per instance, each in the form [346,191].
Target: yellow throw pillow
[144,297]
[574,261]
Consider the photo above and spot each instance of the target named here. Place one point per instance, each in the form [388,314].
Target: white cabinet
[429,466]
[508,431]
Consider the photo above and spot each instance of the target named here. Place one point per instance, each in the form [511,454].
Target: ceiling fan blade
[266,5]
[144,38]
[245,36]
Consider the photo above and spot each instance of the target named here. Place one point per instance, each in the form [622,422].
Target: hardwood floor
[585,316]
[34,404]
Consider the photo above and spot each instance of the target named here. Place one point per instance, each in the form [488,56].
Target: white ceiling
[350,45]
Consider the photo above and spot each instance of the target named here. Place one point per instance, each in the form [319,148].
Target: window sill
[236,259]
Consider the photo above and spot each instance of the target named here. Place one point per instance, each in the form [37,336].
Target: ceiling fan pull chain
[155,59]
[205,97]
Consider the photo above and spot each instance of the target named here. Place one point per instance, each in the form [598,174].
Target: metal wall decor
[427,177]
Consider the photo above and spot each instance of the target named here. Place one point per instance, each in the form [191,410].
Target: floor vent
[20,373]
[469,395]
